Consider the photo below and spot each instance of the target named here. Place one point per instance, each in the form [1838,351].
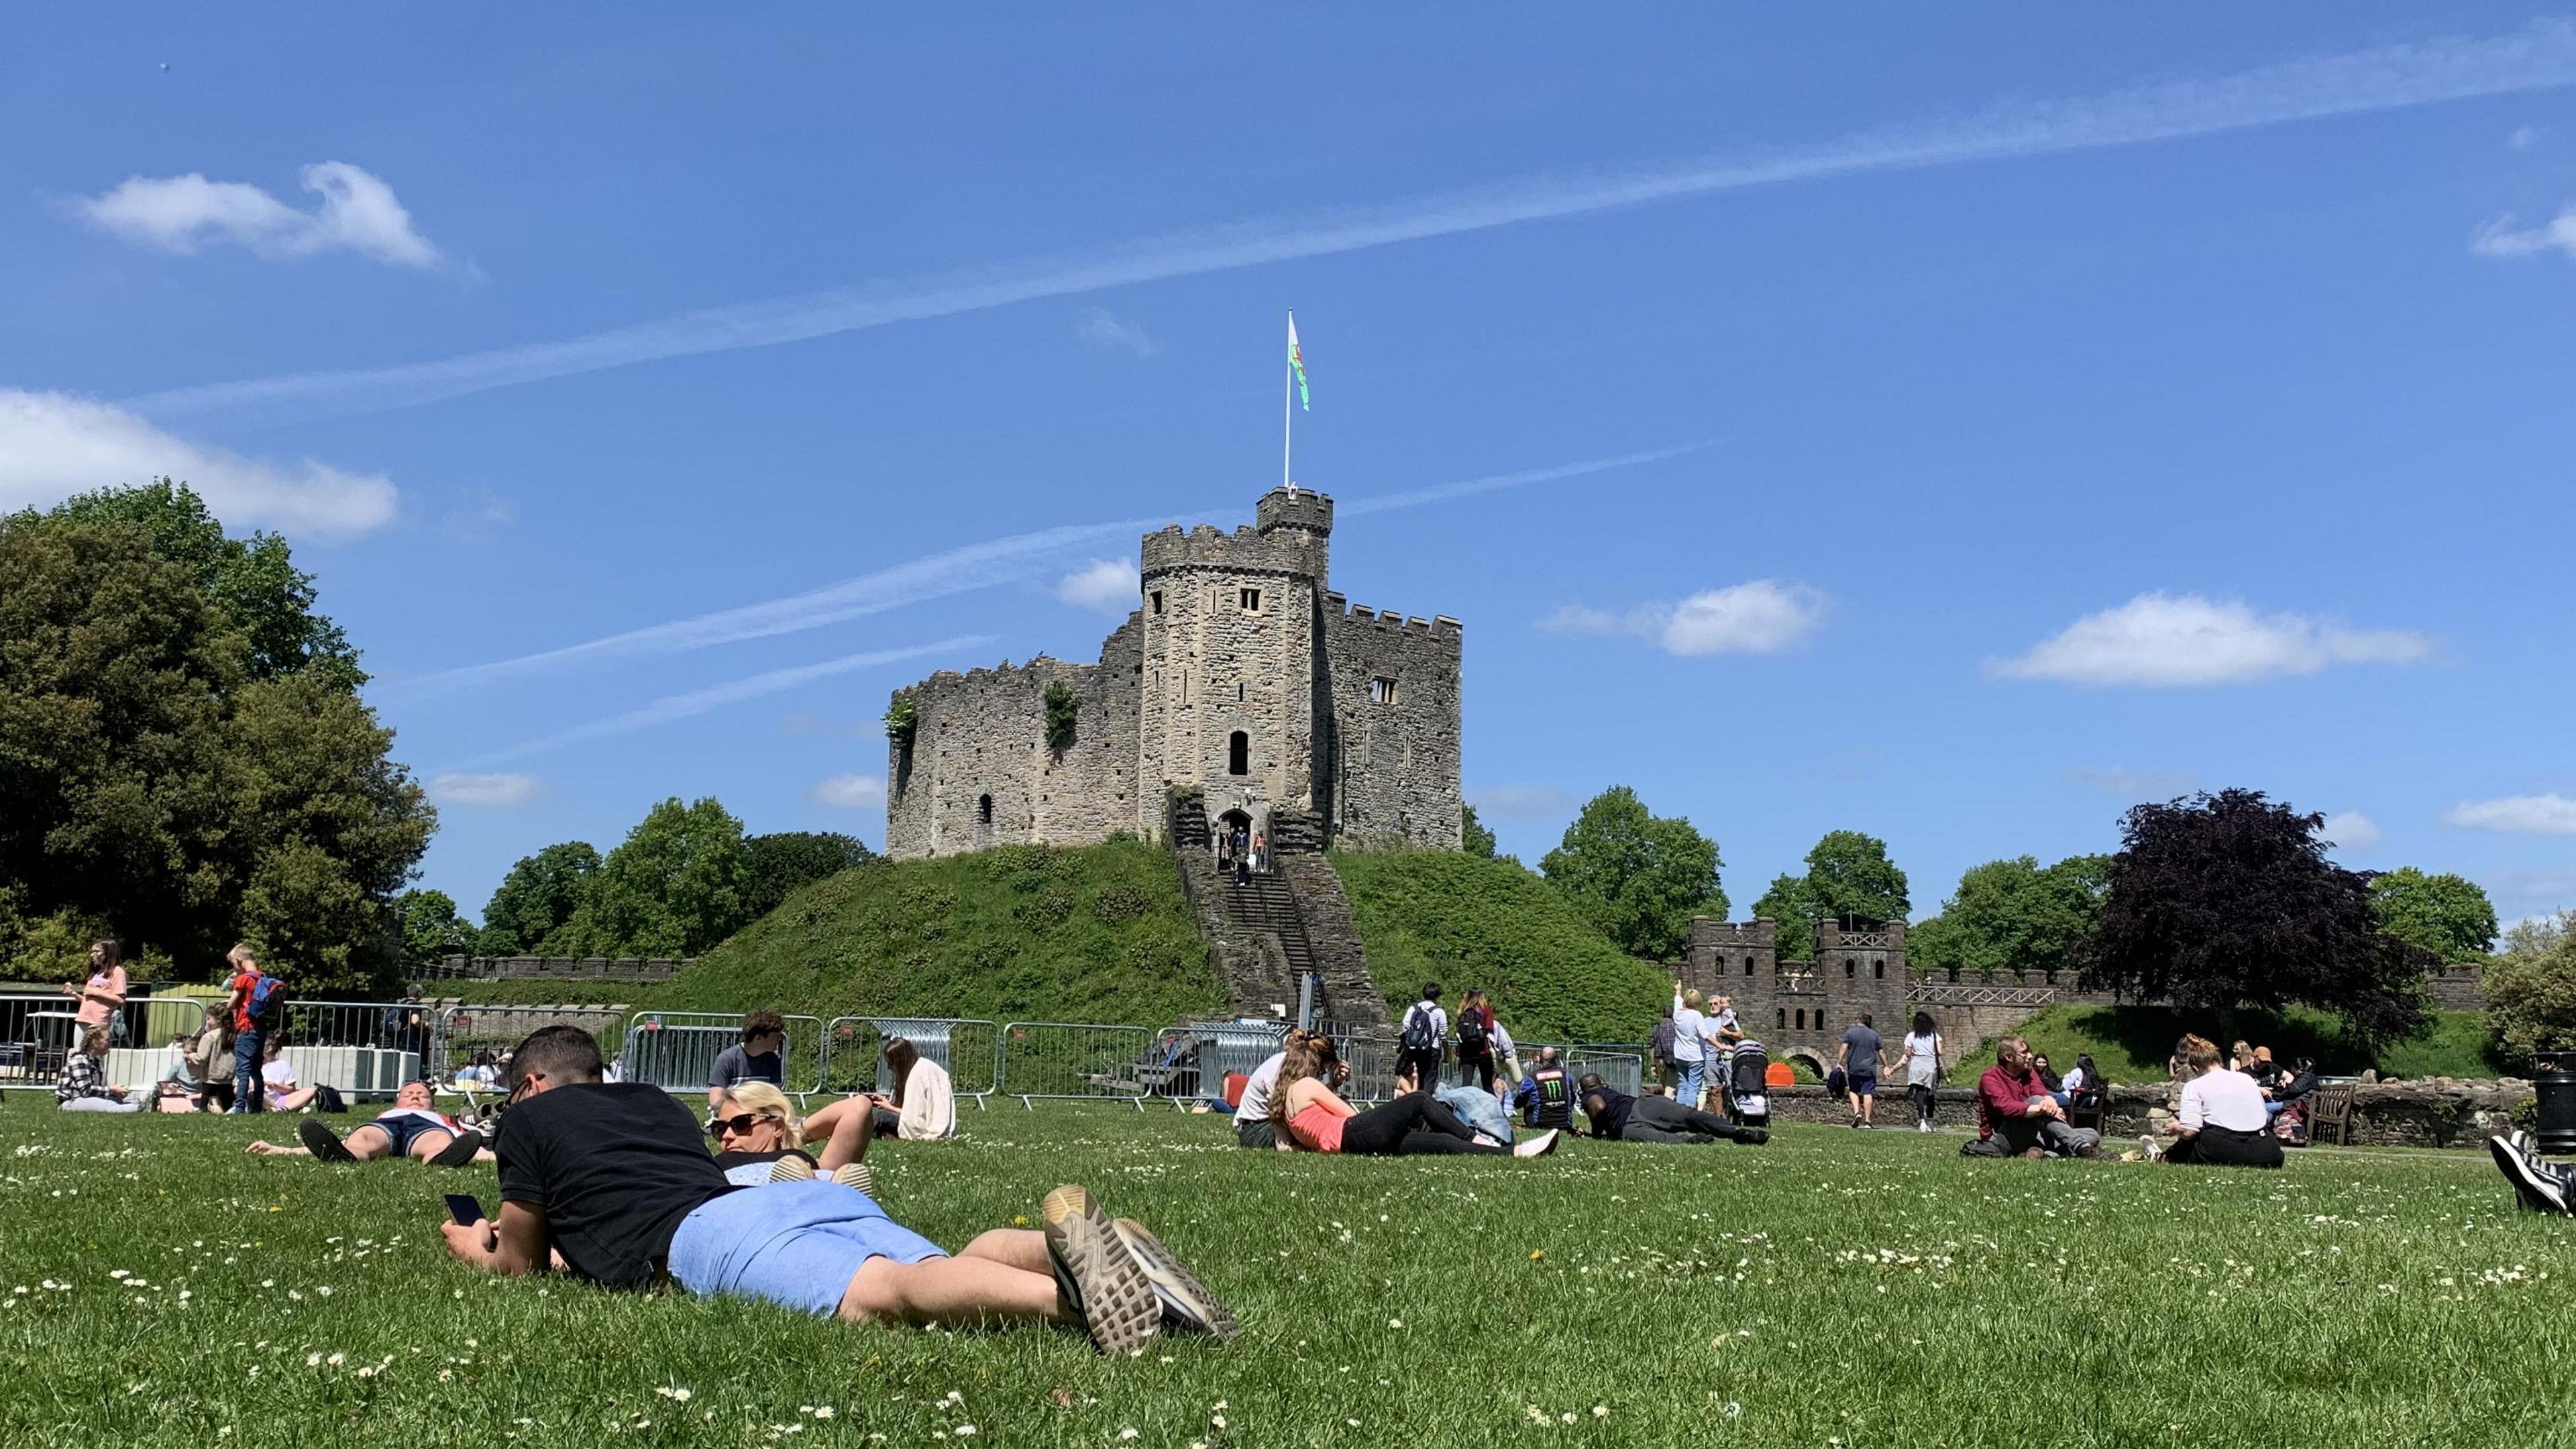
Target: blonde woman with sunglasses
[756,1130]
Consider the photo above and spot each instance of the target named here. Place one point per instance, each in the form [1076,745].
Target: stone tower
[1241,678]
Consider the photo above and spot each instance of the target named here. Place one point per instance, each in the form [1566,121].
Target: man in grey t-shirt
[1862,1055]
[753,1059]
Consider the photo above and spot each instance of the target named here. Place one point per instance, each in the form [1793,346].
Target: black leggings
[1413,1125]
[2219,1147]
[1661,1119]
[1483,1064]
[1922,1104]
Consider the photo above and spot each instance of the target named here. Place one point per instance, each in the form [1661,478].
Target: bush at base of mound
[1096,933]
[1466,921]
[2130,1043]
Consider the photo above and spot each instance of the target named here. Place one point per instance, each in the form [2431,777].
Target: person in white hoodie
[1690,1030]
[922,1109]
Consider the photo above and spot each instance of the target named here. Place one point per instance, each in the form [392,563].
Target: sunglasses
[719,1126]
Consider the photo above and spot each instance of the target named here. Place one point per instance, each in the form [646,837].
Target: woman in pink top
[102,1001]
[1415,1124]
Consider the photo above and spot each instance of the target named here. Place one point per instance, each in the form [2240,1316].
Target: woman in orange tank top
[1415,1124]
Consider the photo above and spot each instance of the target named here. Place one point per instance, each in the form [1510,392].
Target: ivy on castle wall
[1061,705]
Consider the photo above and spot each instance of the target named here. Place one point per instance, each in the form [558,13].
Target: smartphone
[464,1209]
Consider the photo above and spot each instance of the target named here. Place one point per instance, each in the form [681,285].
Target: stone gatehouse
[1242,677]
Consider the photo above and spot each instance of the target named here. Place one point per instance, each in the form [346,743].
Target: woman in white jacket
[922,1109]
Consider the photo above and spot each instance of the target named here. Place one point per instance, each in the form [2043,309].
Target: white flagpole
[1288,403]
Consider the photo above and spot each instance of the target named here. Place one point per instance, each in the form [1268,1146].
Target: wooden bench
[2330,1115]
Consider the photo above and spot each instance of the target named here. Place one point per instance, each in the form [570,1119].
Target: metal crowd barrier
[968,1048]
[39,1033]
[366,1049]
[470,1039]
[1228,1048]
[1094,1061]
[677,1050]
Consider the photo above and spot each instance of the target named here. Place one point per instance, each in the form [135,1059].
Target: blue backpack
[266,1003]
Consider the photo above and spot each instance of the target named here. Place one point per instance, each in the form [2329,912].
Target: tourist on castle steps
[613,1178]
[2016,1117]
[1546,1096]
[1922,1067]
[1424,1036]
[1862,1056]
[1690,1033]
[2220,1118]
[1415,1124]
[1618,1117]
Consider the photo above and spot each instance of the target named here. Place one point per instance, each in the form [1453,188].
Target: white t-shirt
[279,1075]
[1713,1025]
[1922,1059]
[2221,1098]
[1255,1105]
[1689,1027]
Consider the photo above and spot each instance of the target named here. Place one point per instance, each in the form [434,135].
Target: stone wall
[539,968]
[2458,987]
[979,771]
[1396,726]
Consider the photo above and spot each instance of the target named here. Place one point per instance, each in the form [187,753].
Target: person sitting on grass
[755,1058]
[412,1127]
[2017,1115]
[1415,1124]
[756,1133]
[1618,1117]
[2220,1118]
[612,1176]
[279,1090]
[1546,1096]
[84,1087]
[922,1109]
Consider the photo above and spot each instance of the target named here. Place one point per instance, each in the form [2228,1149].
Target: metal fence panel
[38,1034]
[677,1050]
[1096,1061]
[474,1037]
[968,1048]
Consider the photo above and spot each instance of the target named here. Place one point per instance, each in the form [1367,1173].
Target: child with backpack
[1425,1037]
[258,1005]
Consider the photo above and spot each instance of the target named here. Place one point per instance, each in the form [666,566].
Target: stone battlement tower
[1241,677]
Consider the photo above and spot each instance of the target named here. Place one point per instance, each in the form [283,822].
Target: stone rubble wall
[1393,766]
[539,968]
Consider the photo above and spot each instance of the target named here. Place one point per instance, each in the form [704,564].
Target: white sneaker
[2151,1149]
[1539,1146]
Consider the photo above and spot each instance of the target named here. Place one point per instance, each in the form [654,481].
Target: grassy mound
[1465,921]
[1098,933]
[2130,1043]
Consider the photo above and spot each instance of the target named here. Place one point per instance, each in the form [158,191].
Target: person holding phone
[611,1176]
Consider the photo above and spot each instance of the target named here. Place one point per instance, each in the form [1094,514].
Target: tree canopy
[1637,877]
[787,861]
[537,898]
[676,887]
[430,926]
[2447,915]
[171,769]
[1473,837]
[2531,989]
[2228,900]
[2013,915]
[1848,874]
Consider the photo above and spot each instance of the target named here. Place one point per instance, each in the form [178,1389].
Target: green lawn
[1833,1288]
[2130,1043]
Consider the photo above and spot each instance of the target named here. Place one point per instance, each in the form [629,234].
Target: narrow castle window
[1748,965]
[1784,1018]
[1850,967]
[1802,1019]
[1251,600]
[983,809]
[1238,753]
[1238,691]
[1381,690]
[1157,597]
[1878,967]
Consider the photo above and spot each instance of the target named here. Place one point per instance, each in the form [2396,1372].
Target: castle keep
[1242,683]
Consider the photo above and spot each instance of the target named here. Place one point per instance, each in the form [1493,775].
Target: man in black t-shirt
[755,1058]
[1617,1117]
[611,1177]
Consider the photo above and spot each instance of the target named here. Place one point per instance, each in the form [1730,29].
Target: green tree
[1848,874]
[1637,877]
[253,581]
[152,778]
[430,926]
[2447,915]
[677,886]
[2531,990]
[789,860]
[2013,915]
[1473,837]
[537,898]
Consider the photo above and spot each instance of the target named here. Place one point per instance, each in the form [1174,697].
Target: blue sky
[1952,431]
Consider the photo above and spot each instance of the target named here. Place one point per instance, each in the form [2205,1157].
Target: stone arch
[1813,1060]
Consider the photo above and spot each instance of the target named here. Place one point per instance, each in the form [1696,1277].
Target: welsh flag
[1297,365]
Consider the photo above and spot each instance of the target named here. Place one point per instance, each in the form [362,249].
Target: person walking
[1862,1055]
[1690,1054]
[1476,1038]
[1424,1036]
[1922,1067]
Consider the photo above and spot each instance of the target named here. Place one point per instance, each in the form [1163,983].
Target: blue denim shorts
[795,1244]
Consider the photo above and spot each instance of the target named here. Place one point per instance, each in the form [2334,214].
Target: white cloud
[2522,137]
[2516,814]
[1520,802]
[53,445]
[2162,640]
[1102,328]
[358,213]
[2352,830]
[1105,585]
[485,792]
[2500,238]
[1761,617]
[2128,784]
[2540,56]
[850,792]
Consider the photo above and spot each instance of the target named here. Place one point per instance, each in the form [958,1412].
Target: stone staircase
[1268,933]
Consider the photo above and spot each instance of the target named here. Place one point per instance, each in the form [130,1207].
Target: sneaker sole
[791,1169]
[2535,1191]
[857,1176]
[459,1152]
[320,1141]
[1099,1278]
[1185,1298]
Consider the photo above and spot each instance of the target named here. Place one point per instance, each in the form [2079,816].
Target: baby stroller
[1748,1086]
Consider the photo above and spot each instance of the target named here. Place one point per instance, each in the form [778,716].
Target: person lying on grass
[412,1127]
[756,1133]
[2019,1117]
[1415,1124]
[2219,1118]
[612,1176]
[1618,1117]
